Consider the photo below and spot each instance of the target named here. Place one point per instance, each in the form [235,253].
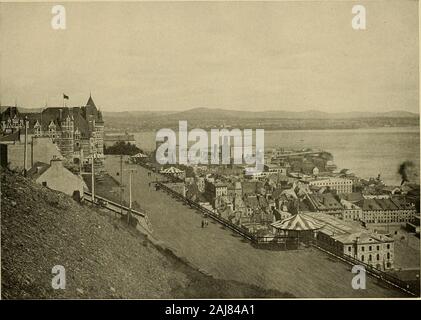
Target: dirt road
[217,251]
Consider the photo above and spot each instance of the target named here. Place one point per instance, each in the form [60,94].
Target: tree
[124,148]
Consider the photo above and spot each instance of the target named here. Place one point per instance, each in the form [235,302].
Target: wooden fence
[386,277]
[120,209]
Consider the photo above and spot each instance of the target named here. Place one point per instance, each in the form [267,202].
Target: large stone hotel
[78,132]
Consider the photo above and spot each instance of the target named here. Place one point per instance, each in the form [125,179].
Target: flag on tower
[65,97]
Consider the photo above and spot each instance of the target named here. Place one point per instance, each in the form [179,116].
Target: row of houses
[391,210]
[314,181]
[282,197]
[294,214]
[395,209]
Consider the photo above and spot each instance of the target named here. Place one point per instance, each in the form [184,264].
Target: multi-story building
[351,211]
[274,168]
[341,185]
[346,238]
[77,131]
[375,250]
[234,189]
[393,210]
[326,203]
[216,191]
[200,181]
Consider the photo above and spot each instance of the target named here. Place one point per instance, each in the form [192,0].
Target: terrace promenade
[222,254]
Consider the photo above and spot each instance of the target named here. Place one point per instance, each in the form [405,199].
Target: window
[378,248]
[388,255]
[369,248]
[349,249]
[362,258]
[388,246]
[362,249]
[44,183]
[369,257]
[378,257]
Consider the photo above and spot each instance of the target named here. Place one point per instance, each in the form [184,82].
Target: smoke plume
[407,170]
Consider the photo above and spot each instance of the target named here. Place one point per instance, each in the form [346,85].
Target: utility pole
[25,150]
[93,179]
[81,161]
[121,184]
[130,193]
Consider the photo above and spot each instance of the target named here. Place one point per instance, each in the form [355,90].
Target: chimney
[56,162]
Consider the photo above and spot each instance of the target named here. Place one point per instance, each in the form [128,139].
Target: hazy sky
[250,56]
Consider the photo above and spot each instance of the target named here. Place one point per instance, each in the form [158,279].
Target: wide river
[367,152]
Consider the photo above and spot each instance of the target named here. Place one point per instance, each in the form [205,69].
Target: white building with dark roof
[55,176]
[341,185]
[347,238]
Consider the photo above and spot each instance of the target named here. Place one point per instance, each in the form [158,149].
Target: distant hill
[218,113]
[124,114]
[224,114]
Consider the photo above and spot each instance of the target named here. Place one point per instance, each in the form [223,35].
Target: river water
[367,152]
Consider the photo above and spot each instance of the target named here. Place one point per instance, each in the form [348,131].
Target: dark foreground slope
[103,258]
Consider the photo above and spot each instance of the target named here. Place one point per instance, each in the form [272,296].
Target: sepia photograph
[263,150]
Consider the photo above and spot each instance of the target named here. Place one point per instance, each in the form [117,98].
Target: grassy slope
[103,257]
